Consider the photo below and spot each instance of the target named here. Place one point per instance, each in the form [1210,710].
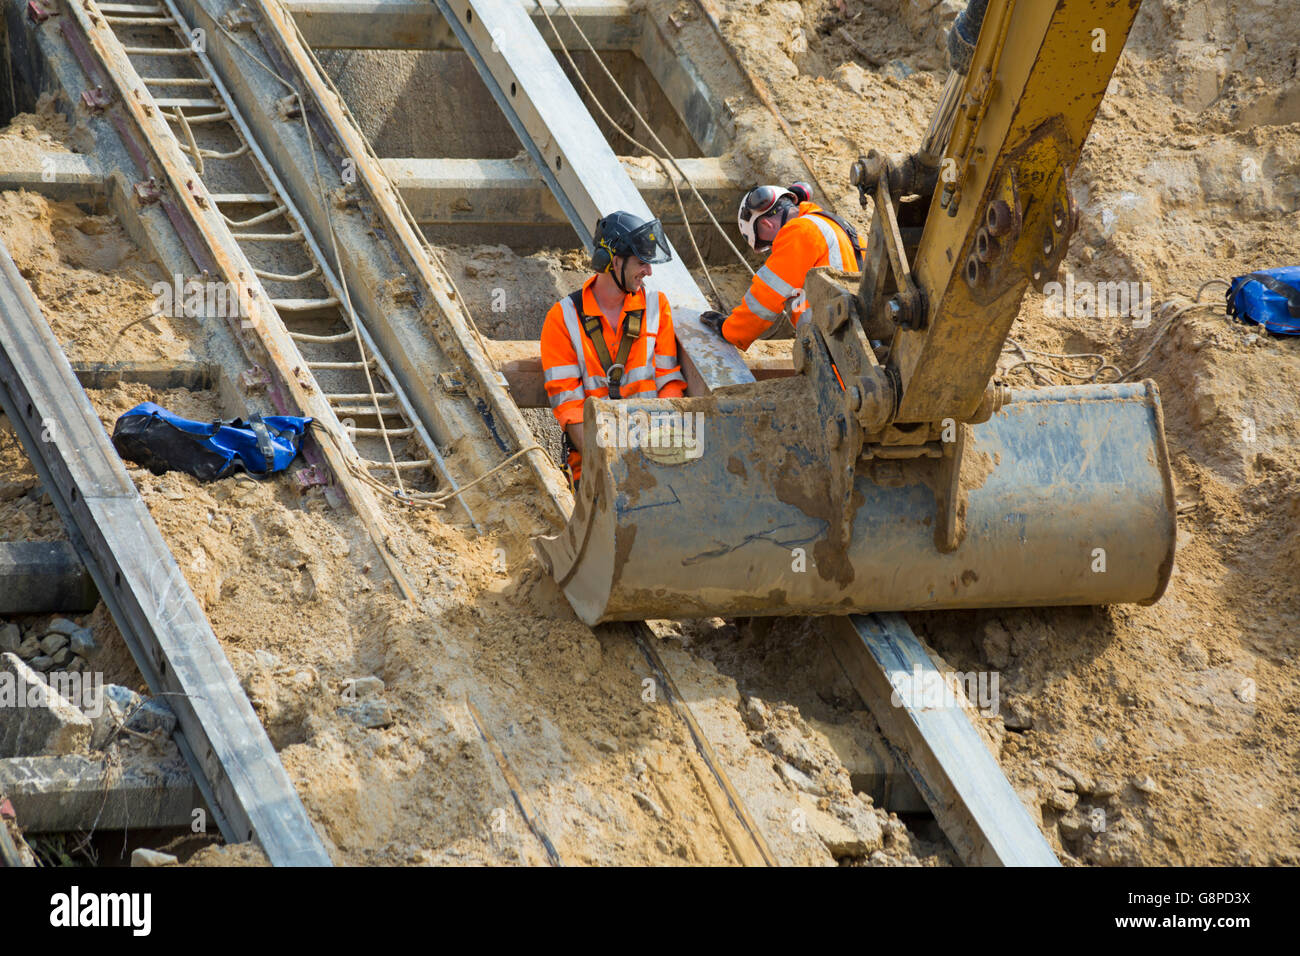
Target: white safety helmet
[756,204]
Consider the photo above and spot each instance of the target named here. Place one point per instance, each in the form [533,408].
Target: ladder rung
[322,339]
[340,365]
[171,103]
[156,51]
[176,81]
[267,236]
[285,277]
[364,410]
[392,432]
[141,8]
[401,465]
[218,117]
[141,21]
[304,305]
[360,396]
[249,199]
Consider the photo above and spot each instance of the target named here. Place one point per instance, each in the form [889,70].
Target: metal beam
[173,644]
[417,25]
[577,164]
[508,192]
[935,741]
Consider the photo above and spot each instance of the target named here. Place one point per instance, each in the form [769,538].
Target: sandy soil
[1174,721]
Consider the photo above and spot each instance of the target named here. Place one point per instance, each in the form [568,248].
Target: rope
[437,501]
[1176,309]
[663,158]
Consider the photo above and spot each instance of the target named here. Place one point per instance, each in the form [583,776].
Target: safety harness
[612,369]
[858,252]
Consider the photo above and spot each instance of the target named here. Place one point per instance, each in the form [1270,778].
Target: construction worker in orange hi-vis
[801,236]
[613,337]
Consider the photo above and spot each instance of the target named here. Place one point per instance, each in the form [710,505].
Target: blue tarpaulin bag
[1270,298]
[151,436]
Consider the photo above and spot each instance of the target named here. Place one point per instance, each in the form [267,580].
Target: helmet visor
[647,243]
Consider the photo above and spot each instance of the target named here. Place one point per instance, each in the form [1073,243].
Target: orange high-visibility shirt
[572,372]
[805,242]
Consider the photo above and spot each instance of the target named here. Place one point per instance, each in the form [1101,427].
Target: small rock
[1015,715]
[61,657]
[143,857]
[997,644]
[125,698]
[604,744]
[82,642]
[1062,800]
[53,642]
[1082,782]
[648,804]
[42,662]
[1105,788]
[797,778]
[11,638]
[359,688]
[152,715]
[108,713]
[1073,825]
[1146,785]
[840,838]
[29,648]
[266,659]
[756,713]
[60,625]
[371,713]
[853,78]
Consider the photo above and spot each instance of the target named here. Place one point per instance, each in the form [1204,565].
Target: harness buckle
[614,375]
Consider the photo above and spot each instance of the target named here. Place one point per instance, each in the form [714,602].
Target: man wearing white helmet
[800,236]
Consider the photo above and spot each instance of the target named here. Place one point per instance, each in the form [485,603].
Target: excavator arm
[890,472]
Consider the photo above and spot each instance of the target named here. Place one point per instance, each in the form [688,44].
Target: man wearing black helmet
[613,337]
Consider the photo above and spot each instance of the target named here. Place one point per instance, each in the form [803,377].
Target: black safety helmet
[623,234]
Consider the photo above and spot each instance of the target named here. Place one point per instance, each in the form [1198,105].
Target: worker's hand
[713,322]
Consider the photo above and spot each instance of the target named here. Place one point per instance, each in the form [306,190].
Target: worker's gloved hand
[713,322]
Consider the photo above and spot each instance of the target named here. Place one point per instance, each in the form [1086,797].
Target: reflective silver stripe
[666,361]
[594,382]
[651,312]
[558,400]
[574,328]
[672,377]
[561,371]
[639,374]
[832,240]
[779,285]
[759,309]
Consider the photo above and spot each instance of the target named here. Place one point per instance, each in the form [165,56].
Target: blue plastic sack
[1270,298]
[161,441]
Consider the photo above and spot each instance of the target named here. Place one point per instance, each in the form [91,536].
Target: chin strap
[618,279]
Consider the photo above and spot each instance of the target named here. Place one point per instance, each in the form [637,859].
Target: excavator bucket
[718,506]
